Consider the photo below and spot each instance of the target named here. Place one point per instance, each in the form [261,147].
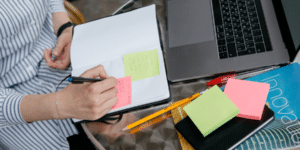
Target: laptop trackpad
[189,22]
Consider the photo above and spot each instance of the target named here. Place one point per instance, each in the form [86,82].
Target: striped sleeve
[10,113]
[57,6]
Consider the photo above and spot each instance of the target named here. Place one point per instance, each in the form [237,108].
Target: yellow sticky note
[141,65]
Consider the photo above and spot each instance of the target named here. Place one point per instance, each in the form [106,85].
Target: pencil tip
[126,128]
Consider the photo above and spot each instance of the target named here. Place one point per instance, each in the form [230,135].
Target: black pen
[79,80]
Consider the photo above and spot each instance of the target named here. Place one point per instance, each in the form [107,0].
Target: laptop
[211,37]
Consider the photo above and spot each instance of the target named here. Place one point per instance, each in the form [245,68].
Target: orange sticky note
[124,92]
[249,97]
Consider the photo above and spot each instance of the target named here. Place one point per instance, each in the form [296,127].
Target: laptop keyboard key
[223,55]
[248,37]
[241,3]
[235,17]
[240,47]
[231,49]
[244,19]
[263,26]
[243,13]
[225,10]
[238,34]
[220,49]
[255,26]
[226,15]
[256,33]
[252,14]
[251,8]
[247,52]
[254,20]
[246,25]
[249,44]
[228,27]
[227,21]
[224,4]
[258,39]
[221,42]
[224,48]
[234,11]
[220,36]
[242,8]
[239,40]
[229,33]
[229,39]
[219,29]
[232,1]
[233,5]
[250,3]
[260,47]
[217,14]
[236,22]
[237,28]
[247,31]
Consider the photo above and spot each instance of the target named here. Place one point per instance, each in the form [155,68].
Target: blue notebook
[284,90]
[284,100]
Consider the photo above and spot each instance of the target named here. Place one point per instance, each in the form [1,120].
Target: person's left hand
[61,51]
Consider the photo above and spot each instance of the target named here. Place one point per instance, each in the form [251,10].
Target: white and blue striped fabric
[26,29]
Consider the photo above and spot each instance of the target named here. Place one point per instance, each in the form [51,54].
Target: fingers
[100,111]
[109,94]
[48,55]
[102,86]
[61,44]
[95,72]
[61,62]
[108,104]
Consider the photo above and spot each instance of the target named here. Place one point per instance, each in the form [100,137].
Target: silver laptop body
[192,47]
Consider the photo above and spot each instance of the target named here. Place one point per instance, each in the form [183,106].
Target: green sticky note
[211,110]
[141,65]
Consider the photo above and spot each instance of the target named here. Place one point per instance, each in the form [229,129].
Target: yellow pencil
[152,122]
[173,106]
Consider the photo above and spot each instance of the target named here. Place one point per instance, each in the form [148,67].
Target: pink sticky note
[249,97]
[124,92]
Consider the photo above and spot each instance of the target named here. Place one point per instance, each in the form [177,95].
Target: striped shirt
[26,29]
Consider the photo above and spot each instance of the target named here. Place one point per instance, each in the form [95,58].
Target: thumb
[61,44]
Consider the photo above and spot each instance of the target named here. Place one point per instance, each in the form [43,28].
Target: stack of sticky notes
[250,97]
[240,98]
[211,110]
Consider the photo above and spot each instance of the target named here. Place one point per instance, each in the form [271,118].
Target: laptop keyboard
[241,28]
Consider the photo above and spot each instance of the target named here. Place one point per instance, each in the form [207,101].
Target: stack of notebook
[222,120]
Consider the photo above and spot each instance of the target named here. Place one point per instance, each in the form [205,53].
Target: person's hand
[88,101]
[61,51]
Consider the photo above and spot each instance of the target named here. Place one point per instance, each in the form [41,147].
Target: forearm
[39,107]
[58,19]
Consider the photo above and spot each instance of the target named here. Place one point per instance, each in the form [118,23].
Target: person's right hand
[88,101]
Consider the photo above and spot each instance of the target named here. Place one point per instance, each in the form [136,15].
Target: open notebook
[108,41]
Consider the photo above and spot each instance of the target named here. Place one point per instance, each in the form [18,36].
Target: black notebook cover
[228,136]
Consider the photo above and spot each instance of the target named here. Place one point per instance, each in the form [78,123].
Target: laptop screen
[288,15]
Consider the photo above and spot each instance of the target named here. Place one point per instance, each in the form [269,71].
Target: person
[33,61]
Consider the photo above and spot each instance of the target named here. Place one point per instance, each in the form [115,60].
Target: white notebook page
[105,41]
